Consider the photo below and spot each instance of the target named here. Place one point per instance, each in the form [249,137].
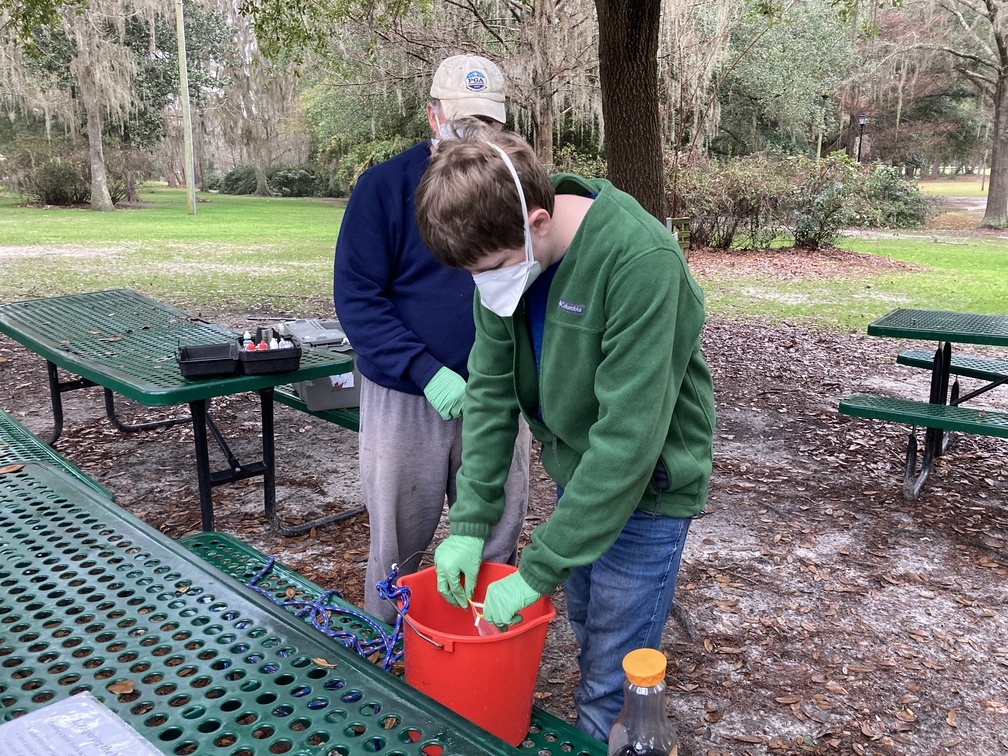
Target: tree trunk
[169,173]
[996,215]
[130,162]
[262,187]
[628,73]
[201,161]
[100,199]
[130,182]
[542,127]
[542,85]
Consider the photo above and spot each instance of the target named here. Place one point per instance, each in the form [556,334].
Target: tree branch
[958,54]
[470,6]
[982,83]
[953,8]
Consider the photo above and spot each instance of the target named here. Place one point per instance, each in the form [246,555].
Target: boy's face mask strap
[501,289]
[521,198]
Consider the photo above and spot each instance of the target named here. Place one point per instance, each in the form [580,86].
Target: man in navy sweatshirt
[410,321]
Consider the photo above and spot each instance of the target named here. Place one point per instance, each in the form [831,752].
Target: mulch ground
[817,611]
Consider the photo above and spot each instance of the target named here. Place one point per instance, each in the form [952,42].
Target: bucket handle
[449,646]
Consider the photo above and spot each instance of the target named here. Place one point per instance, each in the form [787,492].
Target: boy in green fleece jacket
[588,324]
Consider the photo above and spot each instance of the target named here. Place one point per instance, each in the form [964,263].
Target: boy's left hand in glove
[506,597]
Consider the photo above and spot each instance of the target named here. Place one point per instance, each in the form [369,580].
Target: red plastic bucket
[488,679]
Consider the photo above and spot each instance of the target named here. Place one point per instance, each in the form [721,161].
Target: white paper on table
[76,726]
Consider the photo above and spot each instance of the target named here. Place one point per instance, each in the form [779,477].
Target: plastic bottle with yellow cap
[642,727]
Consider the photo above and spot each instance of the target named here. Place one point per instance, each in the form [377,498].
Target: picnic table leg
[269,459]
[110,413]
[913,481]
[940,372]
[269,480]
[57,403]
[935,439]
[56,389]
[233,463]
[198,411]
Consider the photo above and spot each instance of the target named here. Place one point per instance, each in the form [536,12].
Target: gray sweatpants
[408,460]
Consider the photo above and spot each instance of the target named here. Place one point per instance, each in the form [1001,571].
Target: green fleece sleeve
[653,318]
[489,426]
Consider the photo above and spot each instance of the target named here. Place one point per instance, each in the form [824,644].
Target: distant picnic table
[943,412]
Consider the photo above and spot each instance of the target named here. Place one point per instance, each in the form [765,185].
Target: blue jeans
[617,604]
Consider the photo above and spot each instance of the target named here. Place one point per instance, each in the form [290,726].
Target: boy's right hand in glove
[457,557]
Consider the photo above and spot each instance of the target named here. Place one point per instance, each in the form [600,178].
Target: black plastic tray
[208,360]
[269,360]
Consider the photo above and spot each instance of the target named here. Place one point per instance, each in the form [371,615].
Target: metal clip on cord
[395,604]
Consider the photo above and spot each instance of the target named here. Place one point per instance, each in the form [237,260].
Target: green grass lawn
[274,256]
[962,187]
[235,253]
[965,273]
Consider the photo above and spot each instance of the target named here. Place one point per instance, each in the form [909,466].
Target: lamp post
[862,120]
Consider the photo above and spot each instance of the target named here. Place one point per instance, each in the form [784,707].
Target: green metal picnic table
[547,734]
[943,412]
[942,326]
[94,600]
[126,343]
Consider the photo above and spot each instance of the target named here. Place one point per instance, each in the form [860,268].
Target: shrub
[293,182]
[239,180]
[214,179]
[818,222]
[892,202]
[49,172]
[283,181]
[729,203]
[60,180]
[823,198]
[750,201]
[58,171]
[344,166]
[569,159]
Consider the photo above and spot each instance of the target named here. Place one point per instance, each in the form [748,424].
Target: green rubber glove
[446,393]
[506,597]
[458,556]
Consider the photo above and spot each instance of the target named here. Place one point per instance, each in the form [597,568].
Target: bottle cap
[645,667]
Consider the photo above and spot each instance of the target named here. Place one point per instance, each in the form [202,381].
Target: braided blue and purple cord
[320,614]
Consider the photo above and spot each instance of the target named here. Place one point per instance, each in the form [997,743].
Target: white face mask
[501,289]
[446,131]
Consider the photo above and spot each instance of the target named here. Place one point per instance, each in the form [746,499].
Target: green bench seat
[18,444]
[927,415]
[971,367]
[347,418]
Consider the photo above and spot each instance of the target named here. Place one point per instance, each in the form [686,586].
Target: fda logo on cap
[476,81]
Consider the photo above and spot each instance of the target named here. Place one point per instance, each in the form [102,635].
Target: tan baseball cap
[469,85]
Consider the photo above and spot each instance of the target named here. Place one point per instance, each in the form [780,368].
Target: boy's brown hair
[467,204]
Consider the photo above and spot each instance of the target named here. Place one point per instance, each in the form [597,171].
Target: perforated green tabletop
[940,325]
[93,599]
[125,341]
[547,734]
[18,444]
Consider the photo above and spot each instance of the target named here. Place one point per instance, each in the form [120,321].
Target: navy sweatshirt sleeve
[405,314]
